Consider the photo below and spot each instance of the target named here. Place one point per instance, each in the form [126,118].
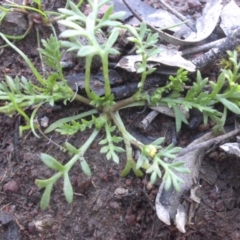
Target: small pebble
[114,205]
[120,191]
[149,186]
[31,227]
[11,186]
[128,182]
[44,121]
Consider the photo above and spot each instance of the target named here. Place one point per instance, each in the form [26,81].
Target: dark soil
[97,211]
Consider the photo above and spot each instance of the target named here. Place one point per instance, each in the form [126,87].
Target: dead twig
[168,38]
[178,15]
[230,43]
[212,142]
[203,47]
[148,119]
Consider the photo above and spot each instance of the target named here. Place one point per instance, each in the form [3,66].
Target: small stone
[114,205]
[44,121]
[11,186]
[128,182]
[31,227]
[76,228]
[41,224]
[120,191]
[149,186]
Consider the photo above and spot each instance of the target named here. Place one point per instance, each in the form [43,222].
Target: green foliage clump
[19,94]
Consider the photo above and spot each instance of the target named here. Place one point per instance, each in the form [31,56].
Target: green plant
[204,95]
[19,94]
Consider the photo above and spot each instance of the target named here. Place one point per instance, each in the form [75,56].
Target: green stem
[82,149]
[33,115]
[143,78]
[3,9]
[127,102]
[130,164]
[21,8]
[44,183]
[88,76]
[80,3]
[107,87]
[82,99]
[126,135]
[88,90]
[22,129]
[18,109]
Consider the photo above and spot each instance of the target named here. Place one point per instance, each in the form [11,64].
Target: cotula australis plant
[20,93]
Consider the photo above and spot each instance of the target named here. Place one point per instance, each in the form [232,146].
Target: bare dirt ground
[97,211]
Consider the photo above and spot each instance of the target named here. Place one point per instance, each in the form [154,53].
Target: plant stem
[136,96]
[21,8]
[88,76]
[107,87]
[82,99]
[121,127]
[80,3]
[125,102]
[82,149]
